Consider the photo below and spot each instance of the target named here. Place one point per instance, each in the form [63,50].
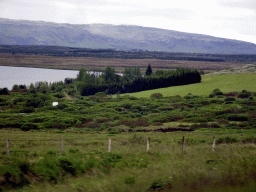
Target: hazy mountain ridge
[19,32]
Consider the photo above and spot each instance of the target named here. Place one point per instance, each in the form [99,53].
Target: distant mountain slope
[19,32]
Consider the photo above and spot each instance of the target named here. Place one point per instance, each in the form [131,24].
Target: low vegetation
[37,119]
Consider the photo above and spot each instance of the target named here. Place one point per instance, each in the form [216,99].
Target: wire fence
[105,144]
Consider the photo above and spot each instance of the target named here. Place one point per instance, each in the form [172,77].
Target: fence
[72,142]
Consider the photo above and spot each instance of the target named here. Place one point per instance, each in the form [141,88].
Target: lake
[24,75]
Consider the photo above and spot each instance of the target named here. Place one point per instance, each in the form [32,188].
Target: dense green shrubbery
[237,117]
[4,91]
[244,94]
[29,126]
[122,110]
[226,140]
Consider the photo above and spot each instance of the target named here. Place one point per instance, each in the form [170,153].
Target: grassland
[130,168]
[226,83]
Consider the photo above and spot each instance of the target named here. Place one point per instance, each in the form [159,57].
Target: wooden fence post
[213,143]
[147,144]
[61,145]
[109,145]
[7,147]
[183,143]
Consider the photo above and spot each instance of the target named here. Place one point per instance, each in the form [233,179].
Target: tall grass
[130,168]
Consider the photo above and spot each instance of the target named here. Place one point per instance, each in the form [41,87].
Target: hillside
[226,83]
[19,32]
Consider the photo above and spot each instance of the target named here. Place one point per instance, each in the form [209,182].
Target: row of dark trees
[133,81]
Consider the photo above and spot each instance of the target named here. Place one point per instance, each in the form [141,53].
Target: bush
[226,140]
[215,92]
[59,95]
[35,102]
[27,110]
[71,92]
[134,123]
[156,95]
[129,180]
[61,106]
[237,117]
[230,99]
[156,185]
[13,174]
[4,91]
[29,126]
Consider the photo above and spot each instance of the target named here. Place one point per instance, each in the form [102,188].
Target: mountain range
[119,37]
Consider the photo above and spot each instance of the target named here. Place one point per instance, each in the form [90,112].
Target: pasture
[226,83]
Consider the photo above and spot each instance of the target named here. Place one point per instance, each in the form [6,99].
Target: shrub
[27,110]
[226,140]
[237,117]
[129,180]
[29,126]
[156,185]
[4,91]
[244,94]
[231,94]
[100,94]
[156,95]
[13,174]
[141,122]
[230,99]
[59,95]
[215,92]
[61,106]
[15,87]
[71,92]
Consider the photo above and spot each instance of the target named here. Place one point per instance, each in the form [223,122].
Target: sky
[232,19]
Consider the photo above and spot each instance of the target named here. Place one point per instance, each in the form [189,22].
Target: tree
[4,91]
[149,70]
[109,75]
[32,88]
[81,74]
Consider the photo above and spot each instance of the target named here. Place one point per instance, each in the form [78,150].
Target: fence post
[183,143]
[7,147]
[109,145]
[213,143]
[147,144]
[61,145]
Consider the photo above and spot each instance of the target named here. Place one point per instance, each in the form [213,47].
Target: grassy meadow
[226,83]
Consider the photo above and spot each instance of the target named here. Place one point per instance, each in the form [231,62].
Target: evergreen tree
[149,70]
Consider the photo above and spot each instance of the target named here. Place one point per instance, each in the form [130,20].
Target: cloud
[241,4]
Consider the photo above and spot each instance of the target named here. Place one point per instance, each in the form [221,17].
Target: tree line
[132,80]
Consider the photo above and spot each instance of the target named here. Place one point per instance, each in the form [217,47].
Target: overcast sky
[233,19]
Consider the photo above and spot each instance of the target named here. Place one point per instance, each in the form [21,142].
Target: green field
[226,83]
[87,166]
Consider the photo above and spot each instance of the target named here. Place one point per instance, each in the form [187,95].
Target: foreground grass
[226,83]
[232,167]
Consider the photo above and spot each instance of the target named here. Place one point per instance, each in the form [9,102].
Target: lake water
[24,75]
